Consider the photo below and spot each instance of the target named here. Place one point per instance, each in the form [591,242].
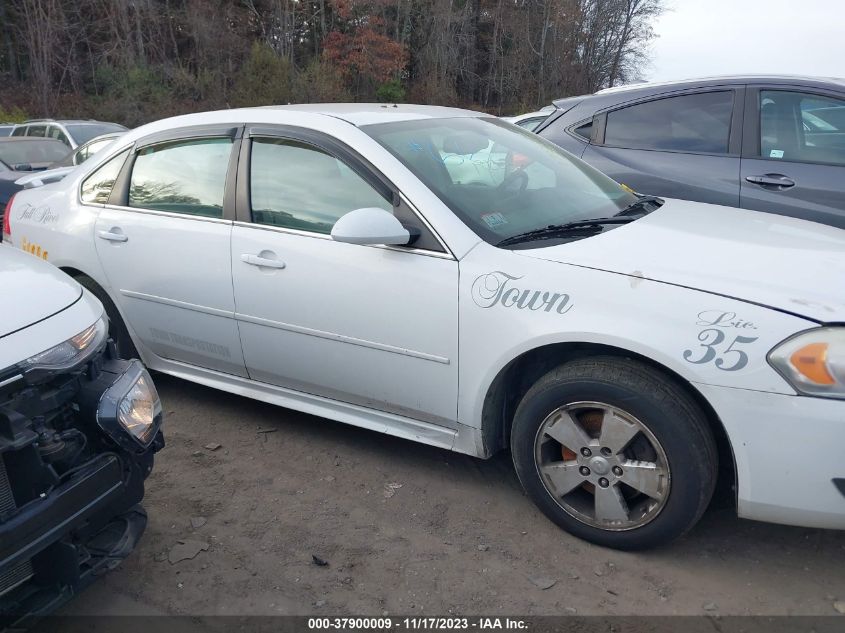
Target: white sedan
[628,350]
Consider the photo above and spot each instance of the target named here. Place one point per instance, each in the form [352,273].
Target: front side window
[298,186]
[19,131]
[802,127]
[688,123]
[182,177]
[56,133]
[97,187]
[499,179]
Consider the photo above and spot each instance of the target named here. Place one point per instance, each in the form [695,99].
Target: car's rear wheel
[117,328]
[614,452]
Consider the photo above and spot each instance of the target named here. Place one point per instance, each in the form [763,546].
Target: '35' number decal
[729,358]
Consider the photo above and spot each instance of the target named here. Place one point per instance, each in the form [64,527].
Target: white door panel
[370,326]
[171,276]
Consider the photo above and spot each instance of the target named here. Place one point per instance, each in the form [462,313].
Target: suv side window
[186,176]
[55,132]
[687,123]
[97,187]
[19,131]
[298,186]
[802,127]
[37,130]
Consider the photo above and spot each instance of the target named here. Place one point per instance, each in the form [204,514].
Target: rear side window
[96,189]
[802,127]
[182,177]
[37,130]
[19,131]
[688,123]
[298,186]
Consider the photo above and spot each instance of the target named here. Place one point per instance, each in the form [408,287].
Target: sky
[698,38]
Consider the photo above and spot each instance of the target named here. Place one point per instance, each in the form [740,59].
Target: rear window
[32,151]
[688,123]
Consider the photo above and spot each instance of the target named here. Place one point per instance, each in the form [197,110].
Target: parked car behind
[530,120]
[78,430]
[86,150]
[6,129]
[768,143]
[347,261]
[71,132]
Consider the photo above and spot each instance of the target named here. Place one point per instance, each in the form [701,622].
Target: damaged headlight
[130,410]
[71,352]
[813,362]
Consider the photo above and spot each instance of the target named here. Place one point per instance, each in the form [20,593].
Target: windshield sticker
[494,219]
[496,288]
[717,342]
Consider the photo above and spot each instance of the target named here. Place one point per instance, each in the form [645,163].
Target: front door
[366,325]
[793,161]
[163,243]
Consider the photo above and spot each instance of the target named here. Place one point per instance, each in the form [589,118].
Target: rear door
[163,240]
[793,159]
[683,145]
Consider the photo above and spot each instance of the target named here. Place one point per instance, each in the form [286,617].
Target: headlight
[813,362]
[70,353]
[130,410]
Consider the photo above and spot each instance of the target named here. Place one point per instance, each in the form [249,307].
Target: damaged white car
[342,260]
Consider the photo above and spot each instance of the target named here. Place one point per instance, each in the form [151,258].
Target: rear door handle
[777,181]
[111,236]
[263,262]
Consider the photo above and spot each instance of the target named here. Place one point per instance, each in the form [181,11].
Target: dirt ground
[408,529]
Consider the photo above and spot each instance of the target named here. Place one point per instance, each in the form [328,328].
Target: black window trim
[735,132]
[119,197]
[340,151]
[751,130]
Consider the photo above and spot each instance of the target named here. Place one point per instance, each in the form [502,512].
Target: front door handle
[112,236]
[773,181]
[263,262]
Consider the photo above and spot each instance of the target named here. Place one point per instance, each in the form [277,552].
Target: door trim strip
[342,338]
[177,304]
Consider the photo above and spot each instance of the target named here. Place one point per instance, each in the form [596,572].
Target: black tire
[660,405]
[117,328]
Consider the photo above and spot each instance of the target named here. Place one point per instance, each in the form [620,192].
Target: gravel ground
[409,529]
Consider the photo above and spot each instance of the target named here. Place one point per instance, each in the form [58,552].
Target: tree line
[132,61]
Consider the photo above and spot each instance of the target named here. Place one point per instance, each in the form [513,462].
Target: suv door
[793,159]
[373,326]
[681,145]
[163,240]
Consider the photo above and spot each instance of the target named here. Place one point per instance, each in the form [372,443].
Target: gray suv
[767,143]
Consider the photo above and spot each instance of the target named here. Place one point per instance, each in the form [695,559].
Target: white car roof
[368,113]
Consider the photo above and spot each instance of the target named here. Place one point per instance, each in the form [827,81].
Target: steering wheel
[512,177]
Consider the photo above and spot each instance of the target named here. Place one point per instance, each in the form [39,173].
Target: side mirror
[370,225]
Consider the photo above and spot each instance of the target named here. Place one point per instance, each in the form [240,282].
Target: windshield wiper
[641,206]
[557,230]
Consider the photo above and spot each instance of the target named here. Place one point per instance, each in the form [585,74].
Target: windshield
[31,151]
[84,132]
[499,179]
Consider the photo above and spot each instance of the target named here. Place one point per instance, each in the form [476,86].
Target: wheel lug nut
[584,471]
[617,471]
[606,451]
[604,483]
[586,452]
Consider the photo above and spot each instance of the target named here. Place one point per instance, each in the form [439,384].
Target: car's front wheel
[614,452]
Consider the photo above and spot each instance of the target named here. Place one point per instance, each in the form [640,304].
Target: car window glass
[585,130]
[37,130]
[531,124]
[688,123]
[182,177]
[802,127]
[97,187]
[19,131]
[84,132]
[56,133]
[298,186]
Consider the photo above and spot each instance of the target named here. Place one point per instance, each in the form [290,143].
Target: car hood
[33,290]
[780,262]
